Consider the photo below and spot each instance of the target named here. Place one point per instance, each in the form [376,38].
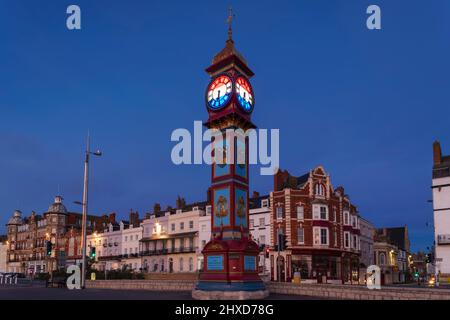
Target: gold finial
[230,22]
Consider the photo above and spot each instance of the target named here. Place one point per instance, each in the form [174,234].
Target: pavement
[34,293]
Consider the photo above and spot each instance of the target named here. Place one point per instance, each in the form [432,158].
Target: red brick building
[321,226]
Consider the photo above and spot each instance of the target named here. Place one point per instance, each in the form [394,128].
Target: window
[126,251]
[126,238]
[335,238]
[347,239]
[181,225]
[265,203]
[172,227]
[316,235]
[323,213]
[279,212]
[355,245]
[324,236]
[203,228]
[208,209]
[191,264]
[353,221]
[203,243]
[300,212]
[334,214]
[191,224]
[319,190]
[346,218]
[320,212]
[300,235]
[181,264]
[262,222]
[251,223]
[262,239]
[382,259]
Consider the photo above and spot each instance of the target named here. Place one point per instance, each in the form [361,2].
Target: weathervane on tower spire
[230,22]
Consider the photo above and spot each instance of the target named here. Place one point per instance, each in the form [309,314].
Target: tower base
[229,295]
[211,290]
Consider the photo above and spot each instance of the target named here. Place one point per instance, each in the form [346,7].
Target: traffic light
[284,241]
[428,258]
[49,246]
[92,254]
[267,252]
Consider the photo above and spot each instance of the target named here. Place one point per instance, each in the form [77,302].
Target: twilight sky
[366,105]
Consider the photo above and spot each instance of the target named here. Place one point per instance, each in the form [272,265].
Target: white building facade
[259,225]
[441,209]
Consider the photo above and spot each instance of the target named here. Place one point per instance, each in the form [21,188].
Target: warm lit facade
[321,226]
[441,208]
[28,237]
[118,246]
[171,241]
[392,254]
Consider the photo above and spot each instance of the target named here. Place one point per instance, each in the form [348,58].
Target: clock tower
[230,268]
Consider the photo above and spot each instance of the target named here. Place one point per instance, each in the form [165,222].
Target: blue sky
[366,105]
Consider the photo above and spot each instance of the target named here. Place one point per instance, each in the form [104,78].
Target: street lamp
[97,153]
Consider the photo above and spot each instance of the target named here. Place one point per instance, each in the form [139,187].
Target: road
[34,293]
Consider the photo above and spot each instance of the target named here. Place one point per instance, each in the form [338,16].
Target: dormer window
[319,190]
[208,209]
[265,203]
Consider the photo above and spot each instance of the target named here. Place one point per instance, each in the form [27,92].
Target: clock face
[244,94]
[219,92]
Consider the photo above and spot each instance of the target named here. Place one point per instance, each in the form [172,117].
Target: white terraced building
[441,209]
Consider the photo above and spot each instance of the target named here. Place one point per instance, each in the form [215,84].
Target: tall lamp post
[97,153]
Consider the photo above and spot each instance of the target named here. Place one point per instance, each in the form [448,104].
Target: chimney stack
[437,153]
[255,194]
[112,218]
[134,219]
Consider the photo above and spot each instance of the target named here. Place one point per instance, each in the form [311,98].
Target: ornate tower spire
[230,23]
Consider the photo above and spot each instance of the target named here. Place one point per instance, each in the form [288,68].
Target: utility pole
[84,219]
[85,208]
